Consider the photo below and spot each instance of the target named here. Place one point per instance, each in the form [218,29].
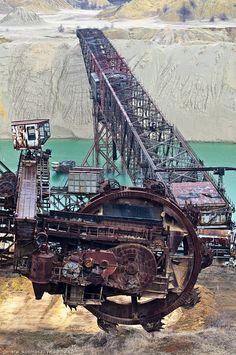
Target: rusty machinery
[130,255]
[131,129]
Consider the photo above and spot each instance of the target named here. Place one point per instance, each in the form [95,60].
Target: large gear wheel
[153,326]
[136,270]
[183,264]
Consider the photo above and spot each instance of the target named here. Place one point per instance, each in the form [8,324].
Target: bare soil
[47,327]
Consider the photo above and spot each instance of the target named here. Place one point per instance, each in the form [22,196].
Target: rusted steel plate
[197,193]
[215,232]
[32,121]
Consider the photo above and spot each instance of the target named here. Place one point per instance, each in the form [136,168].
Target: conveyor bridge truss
[129,127]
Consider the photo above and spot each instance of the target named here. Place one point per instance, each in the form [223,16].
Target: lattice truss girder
[145,140]
[158,139]
[63,201]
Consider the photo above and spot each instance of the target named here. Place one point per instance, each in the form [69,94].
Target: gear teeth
[107,326]
[192,298]
[153,326]
[72,307]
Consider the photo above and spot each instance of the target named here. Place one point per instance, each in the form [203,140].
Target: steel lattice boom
[129,125]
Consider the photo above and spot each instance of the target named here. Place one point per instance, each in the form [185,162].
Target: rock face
[45,79]
[175,10]
[20,17]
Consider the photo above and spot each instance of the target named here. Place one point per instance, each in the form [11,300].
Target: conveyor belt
[27,193]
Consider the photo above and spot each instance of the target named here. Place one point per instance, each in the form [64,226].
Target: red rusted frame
[128,113]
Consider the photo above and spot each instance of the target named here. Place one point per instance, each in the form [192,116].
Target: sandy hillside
[191,76]
[98,3]
[20,310]
[20,17]
[34,5]
[174,10]
[190,73]
[4,7]
[45,81]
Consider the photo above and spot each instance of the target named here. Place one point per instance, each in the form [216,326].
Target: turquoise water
[62,149]
[213,154]
[220,154]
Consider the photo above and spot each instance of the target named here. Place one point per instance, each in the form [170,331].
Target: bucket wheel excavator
[129,255]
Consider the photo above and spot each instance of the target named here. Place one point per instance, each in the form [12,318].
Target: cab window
[31,133]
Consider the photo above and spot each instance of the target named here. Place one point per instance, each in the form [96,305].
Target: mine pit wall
[193,84]
[45,79]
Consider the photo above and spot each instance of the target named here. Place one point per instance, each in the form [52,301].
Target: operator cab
[30,134]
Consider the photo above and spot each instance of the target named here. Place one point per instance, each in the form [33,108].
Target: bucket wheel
[143,304]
